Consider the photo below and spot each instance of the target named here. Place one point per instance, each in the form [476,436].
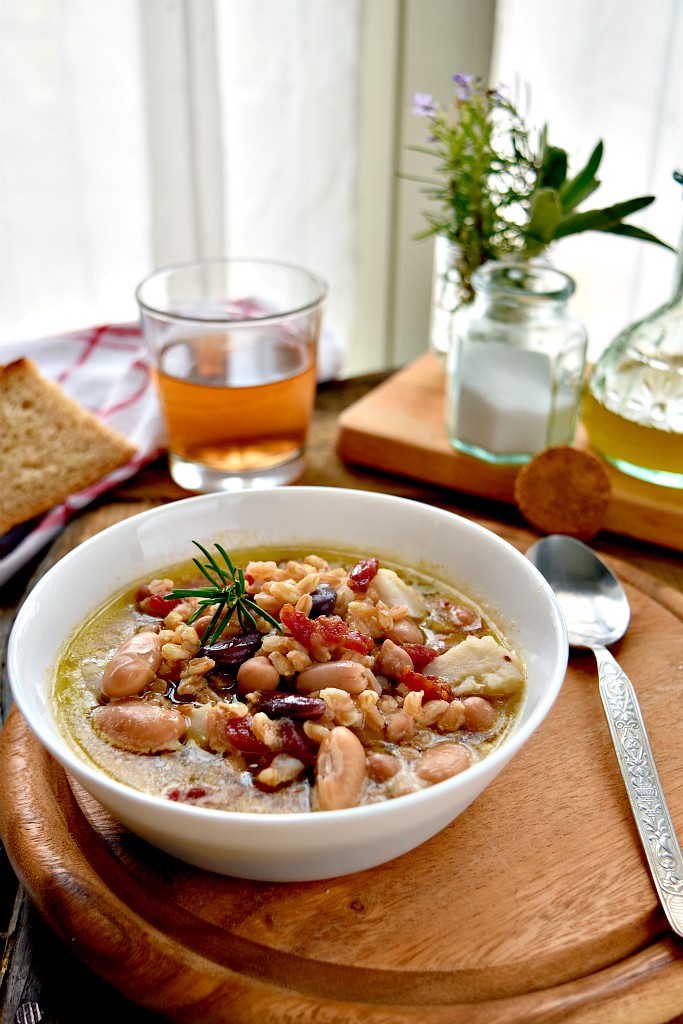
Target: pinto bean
[350,676]
[257,673]
[393,661]
[480,714]
[340,770]
[382,766]
[133,666]
[139,726]
[443,761]
[405,631]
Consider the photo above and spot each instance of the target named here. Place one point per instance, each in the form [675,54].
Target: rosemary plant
[497,194]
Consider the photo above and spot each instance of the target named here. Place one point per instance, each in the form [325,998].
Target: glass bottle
[516,364]
[633,404]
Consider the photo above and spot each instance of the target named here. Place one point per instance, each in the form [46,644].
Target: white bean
[134,665]
[139,726]
[350,676]
[340,770]
[443,761]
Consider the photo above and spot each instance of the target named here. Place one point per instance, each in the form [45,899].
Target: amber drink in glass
[233,346]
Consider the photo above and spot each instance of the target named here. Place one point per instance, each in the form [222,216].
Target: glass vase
[633,403]
[516,364]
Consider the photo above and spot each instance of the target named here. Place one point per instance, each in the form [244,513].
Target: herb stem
[228,591]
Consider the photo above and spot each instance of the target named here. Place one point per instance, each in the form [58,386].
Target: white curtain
[74,215]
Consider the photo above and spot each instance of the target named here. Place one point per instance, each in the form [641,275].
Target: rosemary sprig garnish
[228,591]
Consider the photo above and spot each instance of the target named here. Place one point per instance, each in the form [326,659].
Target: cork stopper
[564,490]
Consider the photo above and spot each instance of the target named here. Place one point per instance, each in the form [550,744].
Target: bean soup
[334,680]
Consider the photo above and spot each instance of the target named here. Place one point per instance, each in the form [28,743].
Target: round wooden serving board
[534,905]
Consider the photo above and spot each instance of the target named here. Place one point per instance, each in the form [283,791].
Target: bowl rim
[81,767]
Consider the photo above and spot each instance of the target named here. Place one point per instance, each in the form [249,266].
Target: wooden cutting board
[534,905]
[399,427]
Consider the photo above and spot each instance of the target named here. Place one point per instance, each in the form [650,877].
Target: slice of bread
[50,446]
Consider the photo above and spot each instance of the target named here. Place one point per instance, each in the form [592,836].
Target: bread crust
[50,445]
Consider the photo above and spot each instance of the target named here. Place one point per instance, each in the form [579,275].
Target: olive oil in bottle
[633,403]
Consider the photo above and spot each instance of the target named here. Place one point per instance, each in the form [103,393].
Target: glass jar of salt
[516,365]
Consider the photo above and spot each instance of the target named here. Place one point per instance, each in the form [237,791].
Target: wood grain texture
[399,427]
[534,905]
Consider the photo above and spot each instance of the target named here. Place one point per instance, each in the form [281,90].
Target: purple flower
[423,104]
[464,83]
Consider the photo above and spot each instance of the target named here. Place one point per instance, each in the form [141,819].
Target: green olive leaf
[600,220]
[632,231]
[576,189]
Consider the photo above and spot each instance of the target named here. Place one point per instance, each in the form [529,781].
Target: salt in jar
[516,365]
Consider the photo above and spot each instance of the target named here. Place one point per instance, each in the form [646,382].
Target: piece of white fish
[479,665]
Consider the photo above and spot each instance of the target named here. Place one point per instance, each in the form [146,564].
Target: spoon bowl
[597,613]
[592,599]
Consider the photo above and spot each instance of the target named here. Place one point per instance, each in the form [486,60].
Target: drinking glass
[233,349]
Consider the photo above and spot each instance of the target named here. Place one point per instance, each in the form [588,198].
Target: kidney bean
[296,743]
[324,597]
[140,726]
[257,673]
[443,761]
[350,676]
[340,770]
[133,666]
[232,650]
[292,705]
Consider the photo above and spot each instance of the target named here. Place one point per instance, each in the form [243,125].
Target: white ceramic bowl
[303,846]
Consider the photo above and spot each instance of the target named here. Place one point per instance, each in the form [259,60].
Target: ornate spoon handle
[642,785]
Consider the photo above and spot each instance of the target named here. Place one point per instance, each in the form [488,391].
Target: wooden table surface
[41,979]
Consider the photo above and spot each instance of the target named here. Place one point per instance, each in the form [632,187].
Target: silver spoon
[597,613]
